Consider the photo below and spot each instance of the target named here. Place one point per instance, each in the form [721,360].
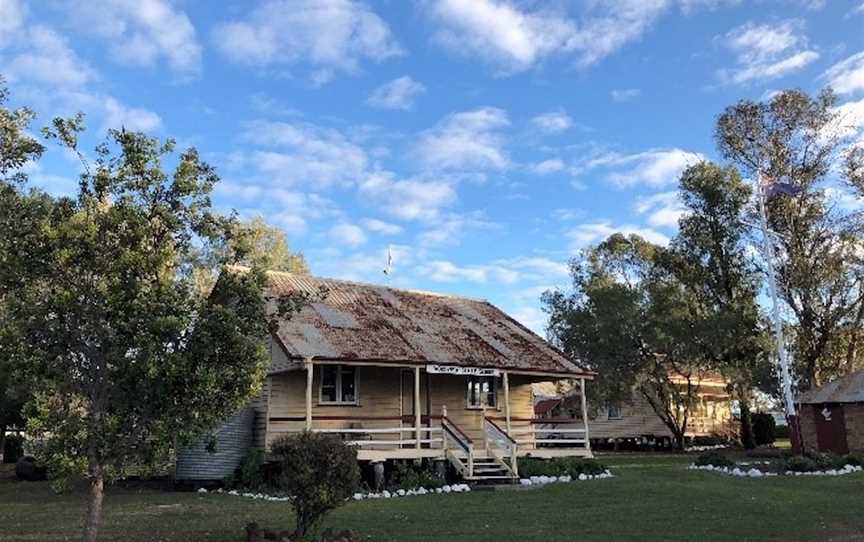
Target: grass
[652,498]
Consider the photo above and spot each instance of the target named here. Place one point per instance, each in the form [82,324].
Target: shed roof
[848,389]
[372,323]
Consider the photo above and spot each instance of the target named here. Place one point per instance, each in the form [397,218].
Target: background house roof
[848,389]
[366,322]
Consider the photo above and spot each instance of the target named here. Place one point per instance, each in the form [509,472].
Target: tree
[260,244]
[19,217]
[631,320]
[318,472]
[802,141]
[128,356]
[711,259]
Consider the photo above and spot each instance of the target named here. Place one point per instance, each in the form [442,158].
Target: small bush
[800,464]
[318,473]
[406,475]
[709,440]
[714,458]
[250,473]
[764,428]
[559,466]
[782,432]
[854,459]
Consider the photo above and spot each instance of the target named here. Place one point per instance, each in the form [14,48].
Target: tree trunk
[747,440]
[680,441]
[94,506]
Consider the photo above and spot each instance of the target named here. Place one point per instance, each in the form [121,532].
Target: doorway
[831,428]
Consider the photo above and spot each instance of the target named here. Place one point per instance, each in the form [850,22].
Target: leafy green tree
[631,320]
[710,257]
[254,243]
[803,141]
[20,215]
[128,356]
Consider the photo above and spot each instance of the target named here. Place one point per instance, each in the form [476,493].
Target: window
[338,385]
[481,391]
[613,412]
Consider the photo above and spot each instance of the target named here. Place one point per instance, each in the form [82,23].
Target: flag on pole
[773,187]
[389,268]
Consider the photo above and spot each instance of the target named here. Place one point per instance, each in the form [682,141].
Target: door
[831,428]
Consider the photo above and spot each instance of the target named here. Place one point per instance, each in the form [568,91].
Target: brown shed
[832,415]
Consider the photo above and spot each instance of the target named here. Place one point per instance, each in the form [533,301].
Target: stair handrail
[450,429]
[501,438]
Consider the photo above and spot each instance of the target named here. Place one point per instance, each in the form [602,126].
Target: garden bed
[809,465]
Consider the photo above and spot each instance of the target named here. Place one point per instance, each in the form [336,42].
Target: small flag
[389,268]
[776,188]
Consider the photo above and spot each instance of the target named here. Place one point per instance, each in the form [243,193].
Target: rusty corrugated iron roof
[848,389]
[367,322]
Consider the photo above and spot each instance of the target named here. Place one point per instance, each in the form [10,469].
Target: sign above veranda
[455,370]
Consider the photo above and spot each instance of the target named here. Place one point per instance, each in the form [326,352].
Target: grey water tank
[233,440]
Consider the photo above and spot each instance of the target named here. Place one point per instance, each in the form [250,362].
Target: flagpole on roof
[763,191]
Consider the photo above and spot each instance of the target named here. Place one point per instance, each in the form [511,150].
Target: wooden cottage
[832,416]
[404,374]
[635,420]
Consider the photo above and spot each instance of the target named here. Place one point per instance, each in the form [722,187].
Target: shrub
[714,458]
[854,459]
[799,463]
[318,473]
[250,473]
[407,475]
[560,466]
[782,432]
[764,428]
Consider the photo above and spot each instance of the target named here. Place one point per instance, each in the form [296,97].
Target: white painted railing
[550,435]
[379,436]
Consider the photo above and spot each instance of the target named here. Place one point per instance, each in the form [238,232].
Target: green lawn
[652,498]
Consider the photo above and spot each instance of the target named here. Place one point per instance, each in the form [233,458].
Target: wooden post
[417,415]
[507,403]
[444,433]
[585,414]
[309,374]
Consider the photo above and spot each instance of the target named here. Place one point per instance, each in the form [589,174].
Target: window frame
[339,401]
[495,385]
[609,416]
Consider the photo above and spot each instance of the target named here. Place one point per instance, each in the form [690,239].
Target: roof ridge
[373,285]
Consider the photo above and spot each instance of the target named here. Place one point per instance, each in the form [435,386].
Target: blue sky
[486,141]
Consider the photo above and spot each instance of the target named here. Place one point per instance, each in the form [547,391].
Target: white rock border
[707,448]
[756,473]
[543,480]
[387,494]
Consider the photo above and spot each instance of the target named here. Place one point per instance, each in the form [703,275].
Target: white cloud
[625,95]
[12,15]
[306,153]
[536,267]
[531,317]
[450,229]
[553,165]
[767,51]
[328,35]
[851,119]
[847,76]
[140,32]
[590,233]
[470,139]
[515,39]
[844,199]
[553,122]
[410,199]
[445,271]
[348,234]
[663,209]
[654,168]
[47,58]
[397,94]
[379,226]
[689,6]
[135,119]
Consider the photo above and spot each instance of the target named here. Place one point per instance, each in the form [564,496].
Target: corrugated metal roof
[365,322]
[848,389]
